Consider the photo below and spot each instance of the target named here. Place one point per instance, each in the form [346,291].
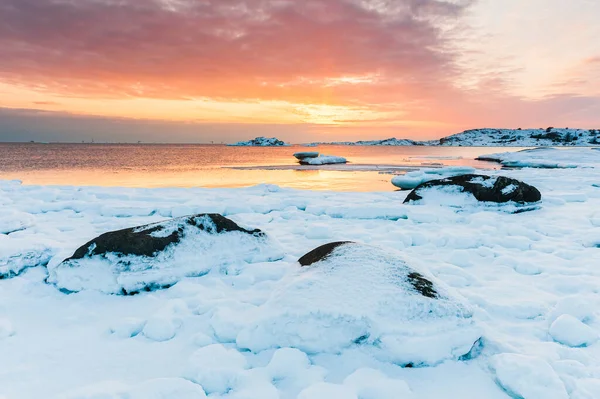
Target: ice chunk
[323,160]
[324,390]
[411,180]
[373,384]
[569,331]
[527,377]
[215,367]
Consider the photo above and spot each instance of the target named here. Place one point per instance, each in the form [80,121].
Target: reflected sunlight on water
[210,165]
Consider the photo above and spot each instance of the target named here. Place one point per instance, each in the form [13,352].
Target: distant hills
[499,138]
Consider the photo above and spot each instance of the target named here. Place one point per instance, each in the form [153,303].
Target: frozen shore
[530,279]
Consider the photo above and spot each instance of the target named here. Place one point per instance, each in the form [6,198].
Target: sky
[300,70]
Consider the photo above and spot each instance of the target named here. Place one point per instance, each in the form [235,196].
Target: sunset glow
[326,69]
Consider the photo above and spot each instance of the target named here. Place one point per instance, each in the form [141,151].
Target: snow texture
[548,158]
[323,160]
[518,273]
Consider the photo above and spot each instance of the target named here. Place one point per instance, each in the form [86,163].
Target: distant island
[498,138]
[260,142]
[469,138]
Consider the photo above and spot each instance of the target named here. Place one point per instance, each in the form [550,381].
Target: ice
[528,377]
[215,368]
[411,180]
[161,388]
[363,295]
[373,384]
[323,160]
[324,390]
[569,331]
[547,158]
[12,221]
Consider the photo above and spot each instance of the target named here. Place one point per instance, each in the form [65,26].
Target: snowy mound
[306,154]
[523,137]
[350,295]
[471,189]
[411,180]
[159,255]
[260,142]
[386,142]
[18,254]
[323,160]
[548,158]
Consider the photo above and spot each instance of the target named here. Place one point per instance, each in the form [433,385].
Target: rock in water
[350,294]
[305,154]
[158,255]
[479,188]
[323,160]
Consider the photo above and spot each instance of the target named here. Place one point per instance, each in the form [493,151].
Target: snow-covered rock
[260,142]
[306,154]
[350,295]
[471,189]
[569,331]
[527,377]
[158,255]
[323,160]
[411,180]
[548,158]
[523,137]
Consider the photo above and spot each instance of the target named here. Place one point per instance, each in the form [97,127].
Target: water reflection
[208,166]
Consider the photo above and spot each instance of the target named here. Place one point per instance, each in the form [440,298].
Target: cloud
[231,49]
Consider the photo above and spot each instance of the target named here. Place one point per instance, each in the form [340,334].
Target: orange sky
[225,70]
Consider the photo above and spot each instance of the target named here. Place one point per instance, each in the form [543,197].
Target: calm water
[216,165]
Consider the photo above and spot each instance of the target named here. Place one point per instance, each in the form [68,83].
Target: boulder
[158,255]
[323,160]
[348,295]
[478,188]
[306,154]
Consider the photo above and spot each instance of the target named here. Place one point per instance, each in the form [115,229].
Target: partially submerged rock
[306,154]
[158,255]
[477,188]
[351,294]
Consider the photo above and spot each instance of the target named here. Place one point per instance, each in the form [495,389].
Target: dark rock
[418,282]
[497,189]
[320,253]
[147,241]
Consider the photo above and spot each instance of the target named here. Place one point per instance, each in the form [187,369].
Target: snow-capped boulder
[260,142]
[306,154]
[323,160]
[411,180]
[158,255]
[471,189]
[348,294]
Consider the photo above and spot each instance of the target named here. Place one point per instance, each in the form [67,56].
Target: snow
[515,373]
[306,154]
[519,274]
[260,142]
[411,180]
[569,331]
[361,296]
[323,160]
[547,158]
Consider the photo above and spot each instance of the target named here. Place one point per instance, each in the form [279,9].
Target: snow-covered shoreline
[531,279]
